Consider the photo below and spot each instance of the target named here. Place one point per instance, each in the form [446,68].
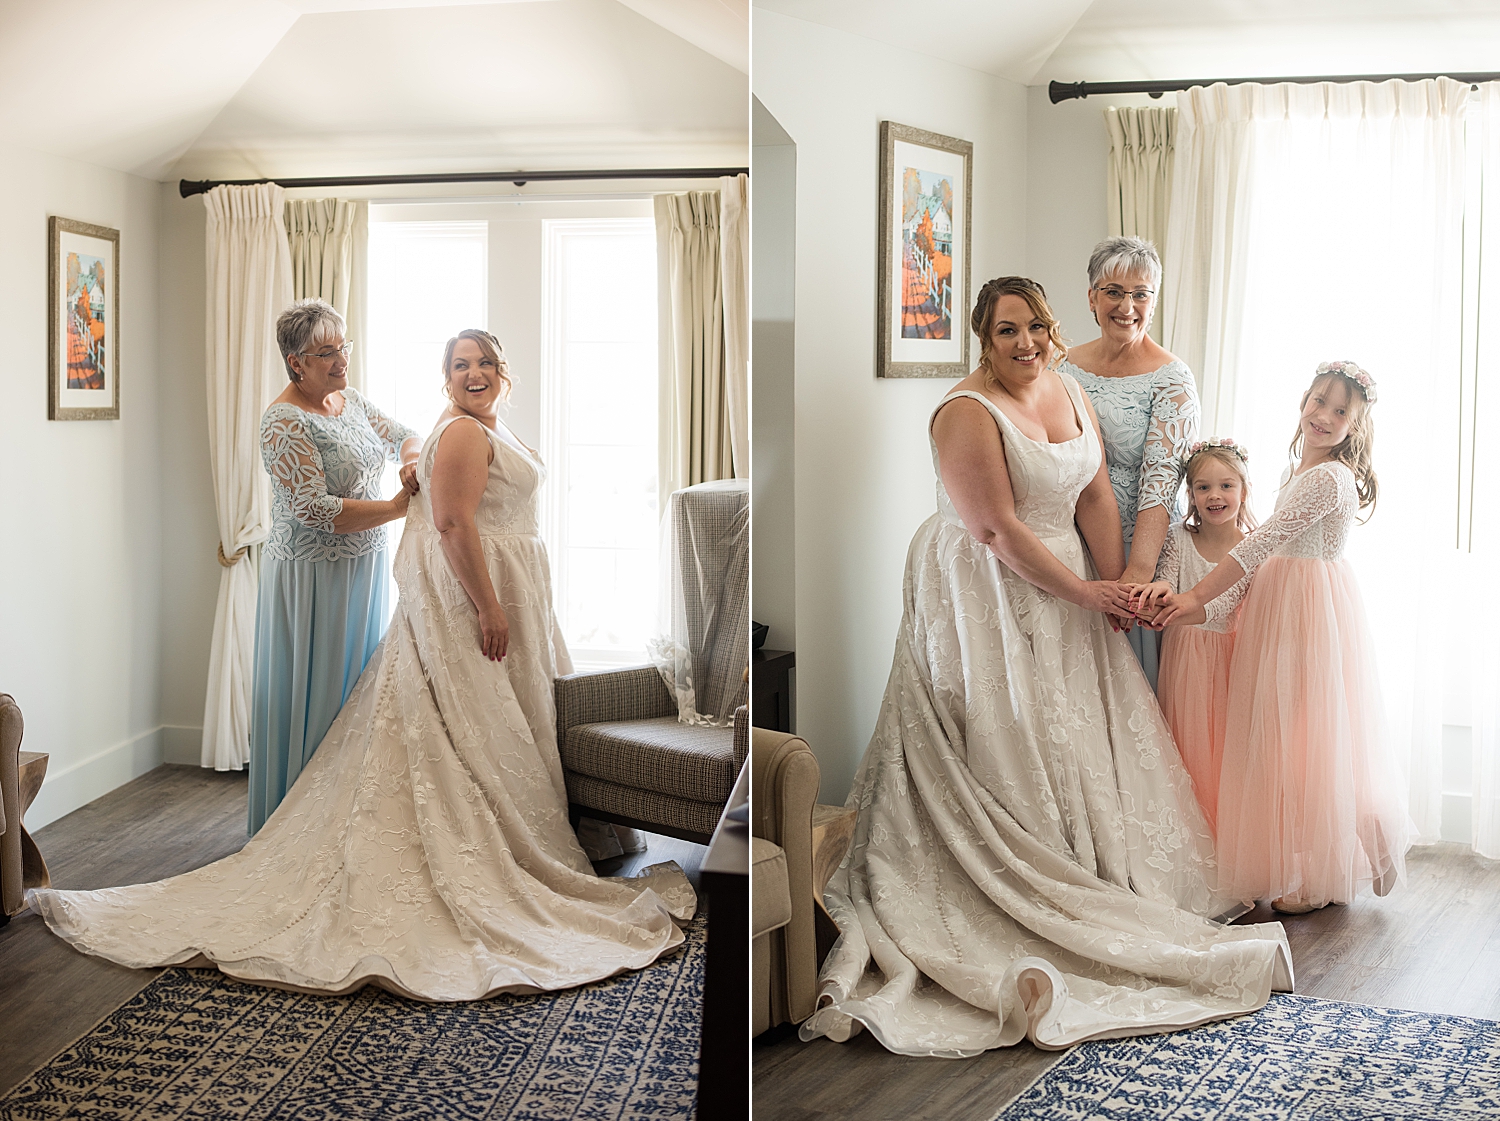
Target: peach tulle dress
[1193,682]
[1311,806]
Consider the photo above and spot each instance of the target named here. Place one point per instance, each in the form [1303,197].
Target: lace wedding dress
[1028,860]
[426,846]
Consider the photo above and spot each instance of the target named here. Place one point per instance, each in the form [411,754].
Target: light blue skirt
[1145,642]
[316,625]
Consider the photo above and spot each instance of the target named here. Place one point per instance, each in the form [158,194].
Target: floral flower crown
[1225,442]
[1354,373]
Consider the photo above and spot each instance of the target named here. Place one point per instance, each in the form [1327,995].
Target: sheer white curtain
[1314,222]
[329,240]
[249,283]
[1482,550]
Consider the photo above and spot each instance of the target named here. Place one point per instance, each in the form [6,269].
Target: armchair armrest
[741,737]
[637,693]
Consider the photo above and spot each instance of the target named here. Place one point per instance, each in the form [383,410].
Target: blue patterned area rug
[1298,1059]
[197,1045]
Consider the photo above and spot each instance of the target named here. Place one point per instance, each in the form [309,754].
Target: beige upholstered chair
[21,773]
[637,752]
[784,781]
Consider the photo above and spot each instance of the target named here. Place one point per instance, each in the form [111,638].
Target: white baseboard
[181,744]
[66,790]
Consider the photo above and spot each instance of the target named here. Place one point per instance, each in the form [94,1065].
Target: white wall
[80,554]
[864,477]
[1067,150]
[773,533]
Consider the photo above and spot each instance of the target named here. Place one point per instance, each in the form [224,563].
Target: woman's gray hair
[1127,255]
[307,323]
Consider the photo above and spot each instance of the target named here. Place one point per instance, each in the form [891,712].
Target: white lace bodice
[1148,421]
[510,496]
[315,462]
[1045,478]
[1314,513]
[1182,566]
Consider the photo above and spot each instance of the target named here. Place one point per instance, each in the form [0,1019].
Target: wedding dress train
[1028,859]
[426,846]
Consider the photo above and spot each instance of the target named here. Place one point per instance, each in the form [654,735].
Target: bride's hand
[1106,596]
[494,633]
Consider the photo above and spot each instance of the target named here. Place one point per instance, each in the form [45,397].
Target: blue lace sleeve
[392,432]
[1174,427]
[293,461]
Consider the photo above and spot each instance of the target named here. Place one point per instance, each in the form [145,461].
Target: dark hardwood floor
[166,822]
[1431,946]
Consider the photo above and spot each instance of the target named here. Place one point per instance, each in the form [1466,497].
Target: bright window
[599,412]
[428,281]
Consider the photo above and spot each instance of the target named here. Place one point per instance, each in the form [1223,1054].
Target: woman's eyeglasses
[328,354]
[1116,293]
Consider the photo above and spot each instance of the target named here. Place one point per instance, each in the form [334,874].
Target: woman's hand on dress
[409,477]
[494,632]
[399,503]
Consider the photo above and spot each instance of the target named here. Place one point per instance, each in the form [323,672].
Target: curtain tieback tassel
[230,562]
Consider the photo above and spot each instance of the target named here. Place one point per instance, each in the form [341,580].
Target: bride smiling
[426,847]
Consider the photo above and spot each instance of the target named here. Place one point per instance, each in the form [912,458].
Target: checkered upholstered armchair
[638,752]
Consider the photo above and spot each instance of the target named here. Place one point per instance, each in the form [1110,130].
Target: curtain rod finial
[187,188]
[1065,91]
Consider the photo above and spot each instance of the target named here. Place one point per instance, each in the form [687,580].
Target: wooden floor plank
[1432,946]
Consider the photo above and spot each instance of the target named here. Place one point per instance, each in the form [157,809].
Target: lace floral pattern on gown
[426,846]
[1028,859]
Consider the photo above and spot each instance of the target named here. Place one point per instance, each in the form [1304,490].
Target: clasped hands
[1154,605]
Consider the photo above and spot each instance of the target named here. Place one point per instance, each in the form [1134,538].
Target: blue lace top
[1148,421]
[315,462]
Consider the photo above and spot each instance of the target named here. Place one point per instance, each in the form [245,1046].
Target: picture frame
[924,240]
[83,321]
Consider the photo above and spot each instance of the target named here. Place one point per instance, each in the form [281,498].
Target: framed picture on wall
[83,321]
[922,299]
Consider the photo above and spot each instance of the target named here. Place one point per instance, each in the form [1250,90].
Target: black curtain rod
[189,187]
[1066,91]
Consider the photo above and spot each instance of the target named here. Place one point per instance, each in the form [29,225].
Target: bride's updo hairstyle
[1356,451]
[984,313]
[489,346]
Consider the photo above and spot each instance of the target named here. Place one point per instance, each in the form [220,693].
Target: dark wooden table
[771,689]
[724,1047]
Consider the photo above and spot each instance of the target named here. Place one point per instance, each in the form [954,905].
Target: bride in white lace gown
[1029,859]
[426,846]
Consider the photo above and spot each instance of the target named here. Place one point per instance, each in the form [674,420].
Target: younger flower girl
[1311,807]
[1194,681]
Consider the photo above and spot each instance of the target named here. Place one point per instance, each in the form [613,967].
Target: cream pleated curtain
[734,282]
[249,279]
[704,377]
[329,240]
[1301,219]
[1139,177]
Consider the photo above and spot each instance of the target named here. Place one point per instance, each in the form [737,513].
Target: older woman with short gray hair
[324,596]
[1147,406]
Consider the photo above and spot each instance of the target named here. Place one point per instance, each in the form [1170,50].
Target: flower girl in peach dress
[1193,686]
[1311,805]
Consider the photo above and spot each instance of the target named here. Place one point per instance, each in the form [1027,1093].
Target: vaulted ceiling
[244,88]
[1036,41]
